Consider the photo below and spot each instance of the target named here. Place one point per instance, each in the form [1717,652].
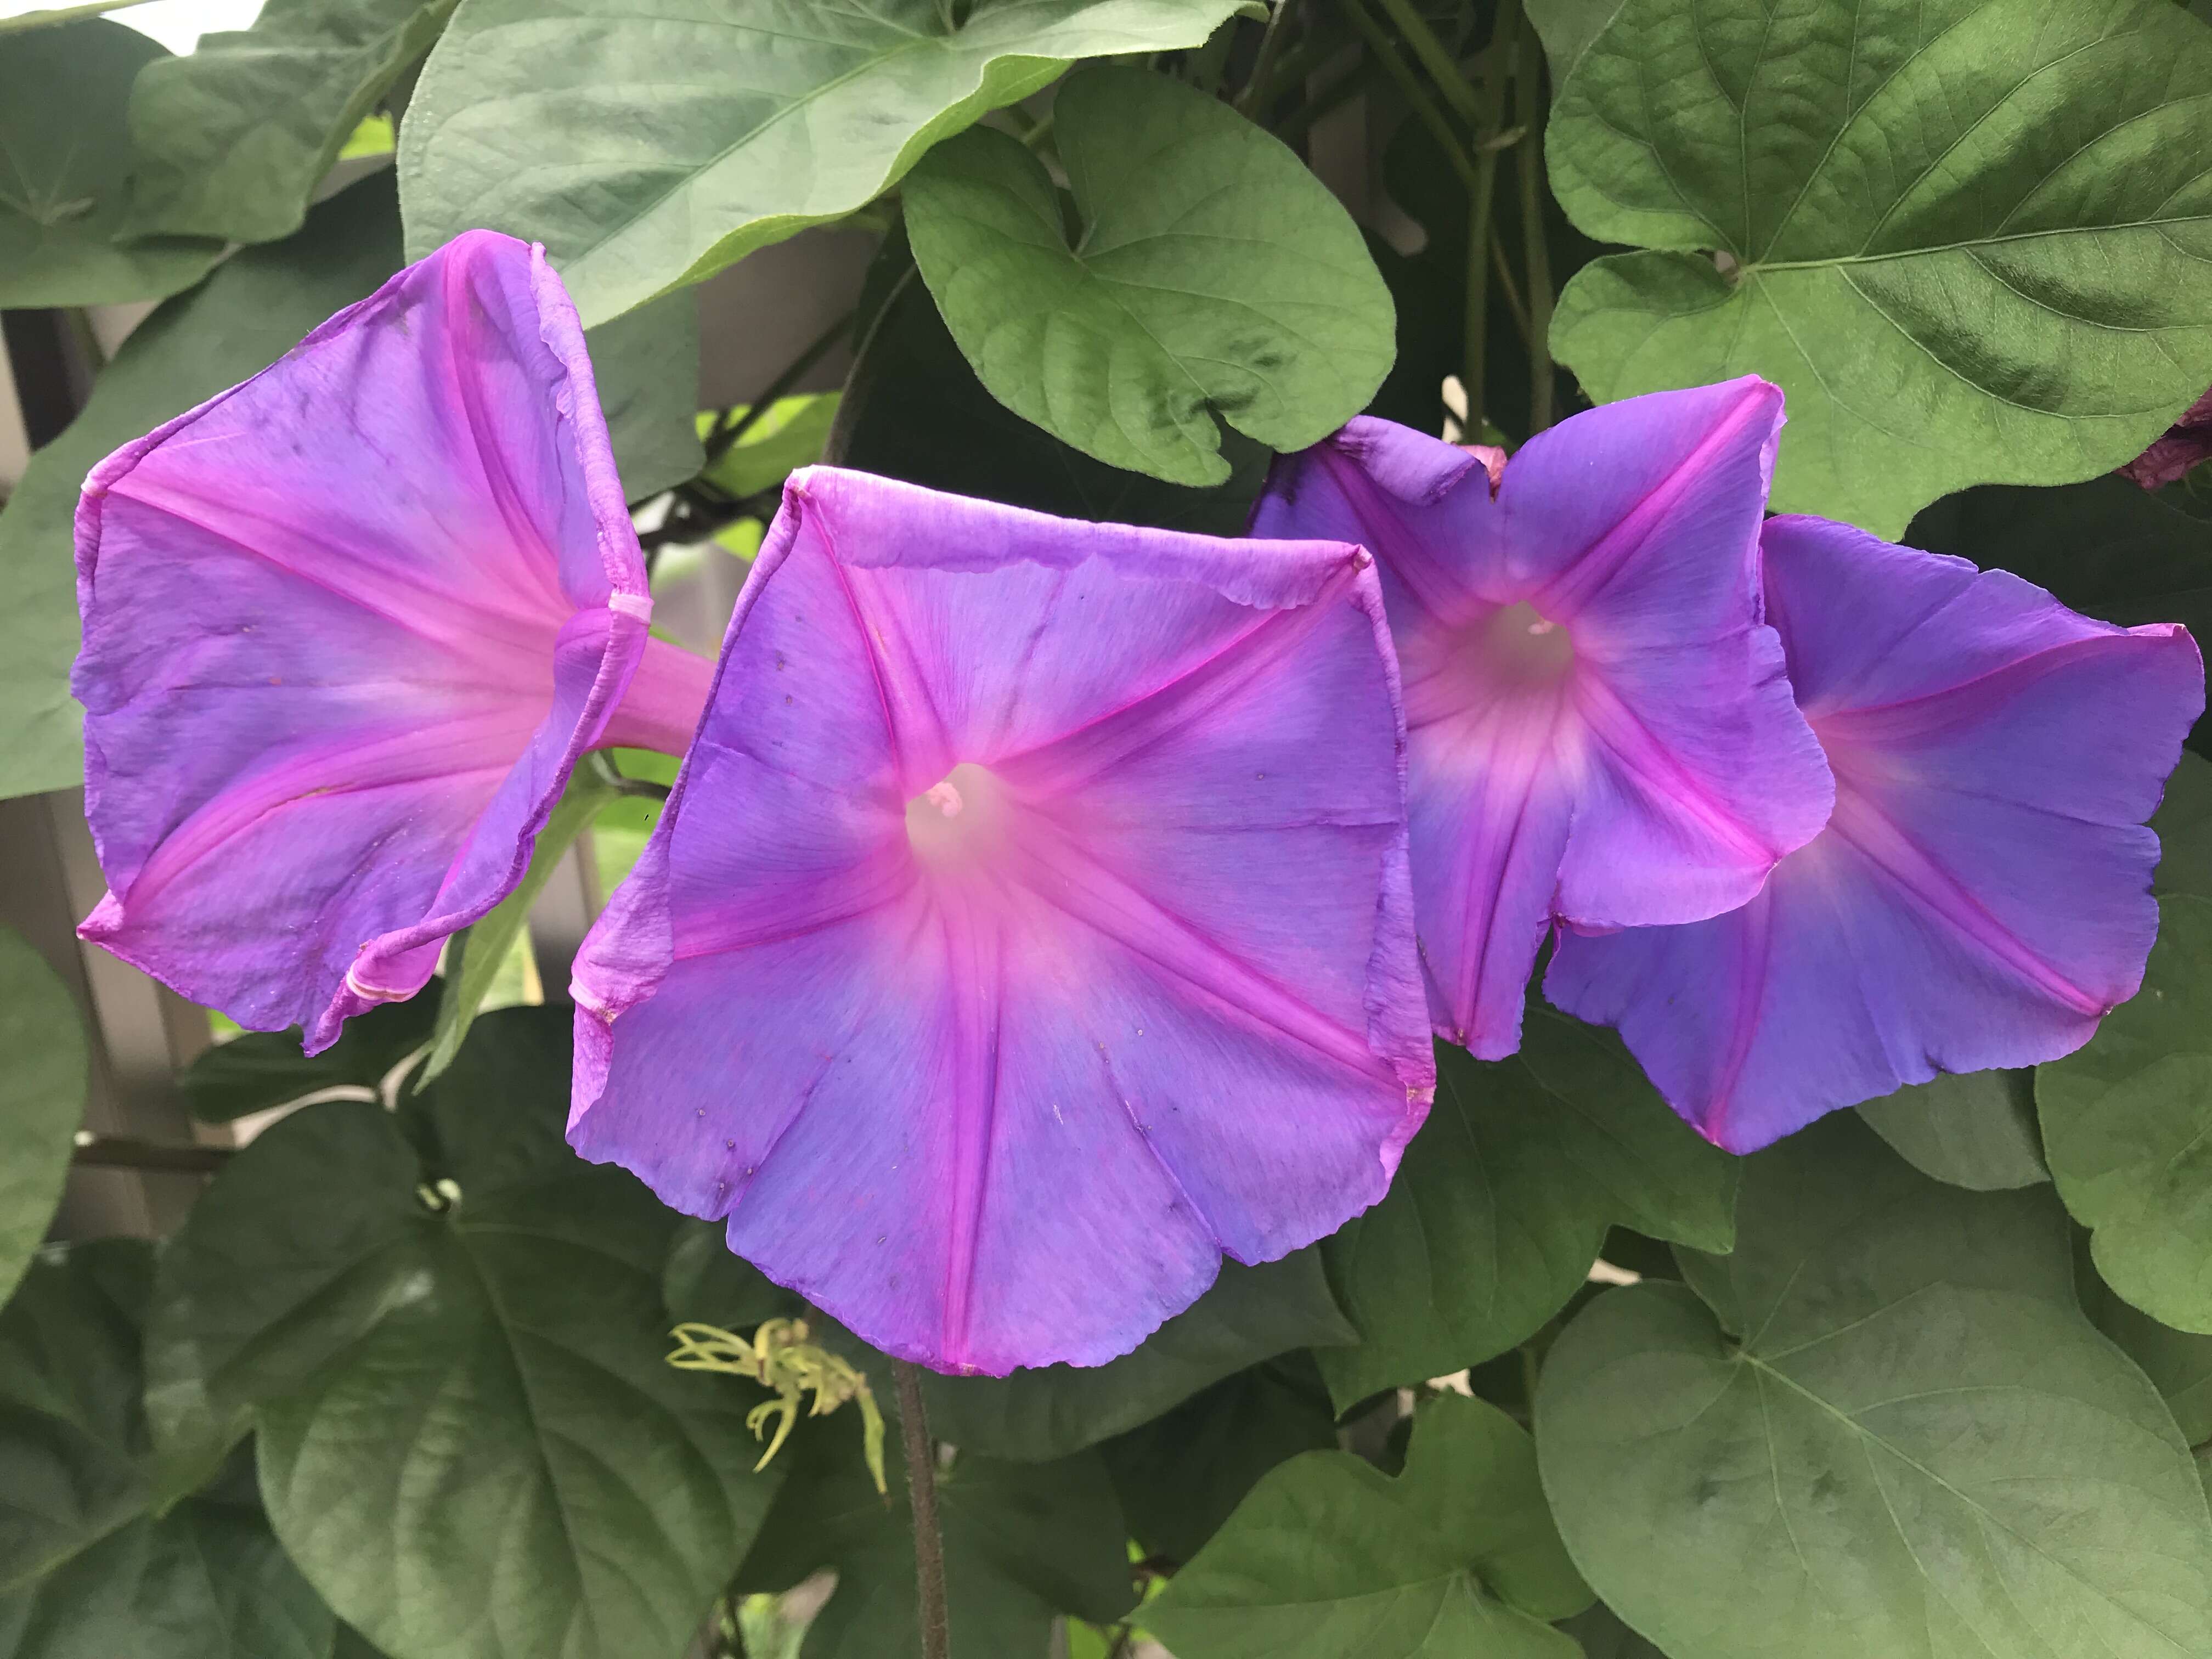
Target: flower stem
[1435,57]
[1482,196]
[1416,95]
[1261,80]
[1529,115]
[921,1494]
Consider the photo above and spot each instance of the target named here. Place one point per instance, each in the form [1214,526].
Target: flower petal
[347,626]
[1601,731]
[1982,896]
[1030,925]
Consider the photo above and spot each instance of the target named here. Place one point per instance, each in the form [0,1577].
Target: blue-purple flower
[1030,927]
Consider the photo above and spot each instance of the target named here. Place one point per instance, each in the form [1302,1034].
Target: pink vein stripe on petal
[1982,896]
[347,627]
[1601,729]
[1028,927]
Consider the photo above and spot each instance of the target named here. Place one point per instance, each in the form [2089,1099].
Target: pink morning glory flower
[1601,731]
[347,628]
[1030,925]
[1982,896]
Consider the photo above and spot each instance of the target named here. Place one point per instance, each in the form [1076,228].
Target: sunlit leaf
[1210,273]
[1971,239]
[233,139]
[65,166]
[649,149]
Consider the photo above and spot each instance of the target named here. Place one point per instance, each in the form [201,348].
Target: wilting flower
[1030,925]
[1601,733]
[1982,896]
[347,628]
[2177,452]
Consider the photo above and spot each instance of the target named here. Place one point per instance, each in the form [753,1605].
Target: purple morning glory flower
[347,628]
[1982,896]
[1602,732]
[1028,927]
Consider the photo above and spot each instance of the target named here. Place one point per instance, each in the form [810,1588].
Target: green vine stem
[1436,58]
[1528,116]
[1482,196]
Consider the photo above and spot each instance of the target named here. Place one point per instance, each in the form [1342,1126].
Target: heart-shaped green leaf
[1881,1426]
[470,1438]
[913,408]
[648,148]
[1212,274]
[1971,239]
[1330,1556]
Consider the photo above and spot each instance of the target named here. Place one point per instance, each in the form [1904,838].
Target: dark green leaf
[235,325]
[2127,1125]
[206,1581]
[1022,1541]
[2105,547]
[1250,1313]
[914,409]
[1330,1556]
[705,1281]
[1602,1635]
[1211,274]
[41,1099]
[1179,1475]
[470,1441]
[1881,1426]
[233,139]
[1976,1129]
[2184,823]
[1971,239]
[1504,1199]
[85,1573]
[64,191]
[274,1275]
[648,150]
[72,1433]
[262,1069]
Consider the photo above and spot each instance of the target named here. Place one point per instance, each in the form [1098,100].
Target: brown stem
[921,1494]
